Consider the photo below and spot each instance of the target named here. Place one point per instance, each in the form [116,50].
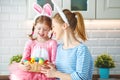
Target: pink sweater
[33,49]
[46,50]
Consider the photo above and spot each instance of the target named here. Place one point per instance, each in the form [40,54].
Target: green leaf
[104,61]
[16,58]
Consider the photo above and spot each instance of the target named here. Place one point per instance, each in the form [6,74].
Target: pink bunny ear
[37,8]
[47,9]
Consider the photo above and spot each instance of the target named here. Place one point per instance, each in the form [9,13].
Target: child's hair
[42,20]
[76,22]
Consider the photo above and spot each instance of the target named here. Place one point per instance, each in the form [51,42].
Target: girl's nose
[41,30]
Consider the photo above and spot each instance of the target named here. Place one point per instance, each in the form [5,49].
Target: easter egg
[32,60]
[25,60]
[41,61]
[36,59]
[28,58]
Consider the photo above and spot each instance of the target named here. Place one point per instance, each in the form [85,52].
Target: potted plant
[16,58]
[104,62]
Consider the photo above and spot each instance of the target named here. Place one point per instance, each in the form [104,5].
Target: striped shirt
[75,61]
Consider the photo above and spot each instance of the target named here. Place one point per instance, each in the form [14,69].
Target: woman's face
[42,30]
[57,29]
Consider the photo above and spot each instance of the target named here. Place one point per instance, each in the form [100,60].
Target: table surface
[109,79]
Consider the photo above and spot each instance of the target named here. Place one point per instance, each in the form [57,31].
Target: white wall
[104,35]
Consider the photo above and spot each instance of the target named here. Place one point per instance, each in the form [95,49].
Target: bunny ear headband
[60,12]
[46,10]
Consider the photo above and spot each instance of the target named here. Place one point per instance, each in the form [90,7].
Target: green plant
[16,58]
[104,61]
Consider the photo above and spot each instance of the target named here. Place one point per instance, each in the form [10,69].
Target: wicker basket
[35,67]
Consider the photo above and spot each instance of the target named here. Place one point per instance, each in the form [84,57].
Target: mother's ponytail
[80,28]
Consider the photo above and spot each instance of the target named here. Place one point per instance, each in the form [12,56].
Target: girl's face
[42,30]
[57,29]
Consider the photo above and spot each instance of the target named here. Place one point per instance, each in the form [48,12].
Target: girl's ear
[65,26]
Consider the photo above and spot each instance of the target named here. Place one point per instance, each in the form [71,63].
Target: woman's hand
[49,71]
[52,72]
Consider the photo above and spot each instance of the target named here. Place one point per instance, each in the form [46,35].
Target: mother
[73,59]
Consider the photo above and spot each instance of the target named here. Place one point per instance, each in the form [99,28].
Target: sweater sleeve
[84,65]
[53,51]
[27,50]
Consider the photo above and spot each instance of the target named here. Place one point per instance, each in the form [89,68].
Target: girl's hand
[49,71]
[24,67]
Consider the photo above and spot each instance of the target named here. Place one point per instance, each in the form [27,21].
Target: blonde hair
[76,23]
[41,19]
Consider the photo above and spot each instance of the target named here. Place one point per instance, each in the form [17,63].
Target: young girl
[39,46]
[73,59]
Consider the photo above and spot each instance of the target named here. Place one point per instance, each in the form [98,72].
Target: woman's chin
[56,37]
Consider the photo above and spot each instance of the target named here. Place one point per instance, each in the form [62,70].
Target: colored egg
[28,58]
[36,59]
[32,60]
[25,60]
[46,62]
[41,61]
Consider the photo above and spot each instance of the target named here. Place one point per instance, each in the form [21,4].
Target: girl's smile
[42,30]
[41,34]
